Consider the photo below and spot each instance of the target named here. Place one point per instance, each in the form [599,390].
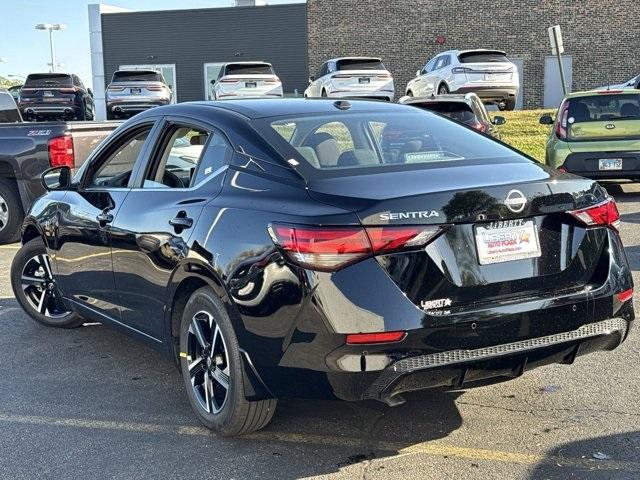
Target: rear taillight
[61,151]
[562,123]
[461,70]
[154,88]
[342,75]
[331,248]
[372,338]
[27,90]
[115,89]
[228,80]
[68,90]
[479,126]
[272,80]
[625,296]
[603,214]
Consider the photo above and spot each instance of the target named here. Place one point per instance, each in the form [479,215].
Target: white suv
[487,73]
[246,79]
[364,77]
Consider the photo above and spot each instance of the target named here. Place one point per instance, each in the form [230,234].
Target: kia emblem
[610,126]
[515,201]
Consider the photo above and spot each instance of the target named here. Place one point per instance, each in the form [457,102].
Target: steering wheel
[170,179]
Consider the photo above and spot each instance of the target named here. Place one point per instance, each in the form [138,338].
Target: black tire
[227,410]
[11,214]
[89,116]
[25,287]
[82,115]
[324,93]
[510,104]
[443,89]
[410,93]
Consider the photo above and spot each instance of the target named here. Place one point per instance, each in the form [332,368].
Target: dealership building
[601,40]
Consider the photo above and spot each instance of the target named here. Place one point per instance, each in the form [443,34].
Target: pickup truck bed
[25,155]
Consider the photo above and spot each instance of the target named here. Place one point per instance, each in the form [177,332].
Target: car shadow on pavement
[98,374]
[612,457]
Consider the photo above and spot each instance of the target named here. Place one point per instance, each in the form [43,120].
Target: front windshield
[377,139]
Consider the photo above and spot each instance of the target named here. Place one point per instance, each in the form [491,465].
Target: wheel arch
[187,278]
[440,84]
[29,232]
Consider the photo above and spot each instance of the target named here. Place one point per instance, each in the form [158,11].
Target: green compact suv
[596,134]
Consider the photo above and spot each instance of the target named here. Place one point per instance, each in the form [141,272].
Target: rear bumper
[486,92]
[586,164]
[134,106]
[455,368]
[50,109]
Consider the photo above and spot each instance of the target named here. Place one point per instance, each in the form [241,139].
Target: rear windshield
[249,69]
[459,111]
[133,76]
[604,107]
[360,64]
[482,57]
[8,110]
[48,80]
[346,141]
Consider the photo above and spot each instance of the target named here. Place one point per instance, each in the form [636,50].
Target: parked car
[424,255]
[487,73]
[15,92]
[53,96]
[631,83]
[357,77]
[133,91]
[246,80]
[9,112]
[467,109]
[596,134]
[27,150]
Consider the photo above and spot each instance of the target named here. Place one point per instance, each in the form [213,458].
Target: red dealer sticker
[506,241]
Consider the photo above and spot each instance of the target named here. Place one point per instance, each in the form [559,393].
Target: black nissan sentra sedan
[325,249]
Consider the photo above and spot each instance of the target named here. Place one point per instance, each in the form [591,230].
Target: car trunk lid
[505,236]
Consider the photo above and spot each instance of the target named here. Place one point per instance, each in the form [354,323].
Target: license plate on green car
[610,164]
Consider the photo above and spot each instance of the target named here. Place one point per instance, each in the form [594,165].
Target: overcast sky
[26,50]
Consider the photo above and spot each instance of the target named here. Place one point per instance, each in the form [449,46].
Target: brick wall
[603,36]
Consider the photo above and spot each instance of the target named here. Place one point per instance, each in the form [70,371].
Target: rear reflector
[371,338]
[604,213]
[626,295]
[61,151]
[331,248]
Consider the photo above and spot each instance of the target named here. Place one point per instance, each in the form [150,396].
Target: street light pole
[51,27]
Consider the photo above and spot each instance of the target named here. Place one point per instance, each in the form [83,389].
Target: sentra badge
[409,215]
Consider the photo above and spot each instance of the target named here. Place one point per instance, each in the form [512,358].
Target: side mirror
[56,178]
[90,92]
[312,78]
[418,72]
[546,119]
[499,120]
[212,82]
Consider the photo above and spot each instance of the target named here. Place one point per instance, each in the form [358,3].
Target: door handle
[104,218]
[181,221]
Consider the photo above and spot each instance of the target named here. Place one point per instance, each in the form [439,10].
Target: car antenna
[342,104]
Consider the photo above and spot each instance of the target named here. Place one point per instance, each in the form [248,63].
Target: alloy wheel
[4,213]
[208,363]
[40,288]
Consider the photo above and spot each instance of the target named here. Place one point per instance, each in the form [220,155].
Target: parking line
[395,448]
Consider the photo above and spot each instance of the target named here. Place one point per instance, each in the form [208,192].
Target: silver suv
[487,73]
[133,91]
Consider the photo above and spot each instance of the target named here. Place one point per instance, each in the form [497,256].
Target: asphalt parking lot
[93,403]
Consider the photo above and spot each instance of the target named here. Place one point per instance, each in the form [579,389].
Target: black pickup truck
[27,150]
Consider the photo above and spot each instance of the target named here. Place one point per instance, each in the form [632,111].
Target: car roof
[377,59]
[605,91]
[271,107]
[260,62]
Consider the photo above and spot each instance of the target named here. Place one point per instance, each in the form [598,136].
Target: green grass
[524,132]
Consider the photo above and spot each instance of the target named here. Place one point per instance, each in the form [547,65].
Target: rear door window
[332,144]
[249,69]
[137,76]
[604,107]
[360,64]
[482,57]
[39,80]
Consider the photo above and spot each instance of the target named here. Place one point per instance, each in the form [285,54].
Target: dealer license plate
[251,84]
[610,164]
[507,240]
